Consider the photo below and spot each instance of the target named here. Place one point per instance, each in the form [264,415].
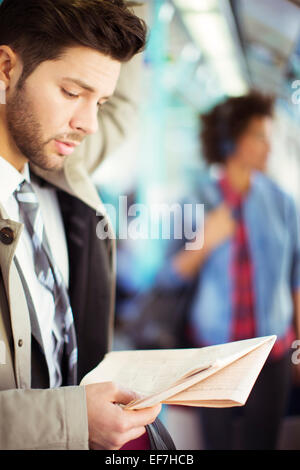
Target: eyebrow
[84,86]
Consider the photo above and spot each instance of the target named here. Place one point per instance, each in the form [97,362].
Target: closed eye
[70,95]
[73,96]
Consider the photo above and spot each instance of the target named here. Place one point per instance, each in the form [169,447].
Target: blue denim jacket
[273,228]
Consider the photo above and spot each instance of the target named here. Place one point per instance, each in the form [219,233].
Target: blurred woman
[248,271]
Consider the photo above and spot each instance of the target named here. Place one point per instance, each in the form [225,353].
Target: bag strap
[159,437]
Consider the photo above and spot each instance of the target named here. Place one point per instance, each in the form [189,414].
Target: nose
[85,120]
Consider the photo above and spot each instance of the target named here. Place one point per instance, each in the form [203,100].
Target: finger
[142,417]
[124,396]
[112,392]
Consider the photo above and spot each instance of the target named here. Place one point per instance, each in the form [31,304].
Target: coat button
[20,343]
[7,235]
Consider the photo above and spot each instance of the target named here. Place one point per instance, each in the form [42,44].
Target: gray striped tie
[50,277]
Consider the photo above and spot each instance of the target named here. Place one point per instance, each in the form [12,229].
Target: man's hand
[111,427]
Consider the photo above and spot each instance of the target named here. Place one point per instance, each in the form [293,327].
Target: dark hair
[40,30]
[226,122]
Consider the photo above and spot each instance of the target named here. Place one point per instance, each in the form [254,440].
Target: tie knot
[25,193]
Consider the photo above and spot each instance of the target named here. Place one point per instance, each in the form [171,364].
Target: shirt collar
[11,178]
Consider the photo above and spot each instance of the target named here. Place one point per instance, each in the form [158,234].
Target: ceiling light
[197,5]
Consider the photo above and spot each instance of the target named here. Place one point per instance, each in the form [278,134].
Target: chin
[263,168]
[55,166]
[52,163]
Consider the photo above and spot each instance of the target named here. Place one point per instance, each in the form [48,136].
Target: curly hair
[40,30]
[226,122]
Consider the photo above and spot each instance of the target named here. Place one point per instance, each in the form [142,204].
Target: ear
[227,147]
[8,66]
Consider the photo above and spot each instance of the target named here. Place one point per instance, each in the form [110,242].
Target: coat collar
[75,180]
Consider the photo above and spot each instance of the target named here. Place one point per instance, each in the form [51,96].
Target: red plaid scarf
[243,318]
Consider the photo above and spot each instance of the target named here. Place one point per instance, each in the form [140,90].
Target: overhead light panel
[197,5]
[210,32]
[230,77]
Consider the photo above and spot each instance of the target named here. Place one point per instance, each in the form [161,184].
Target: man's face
[57,106]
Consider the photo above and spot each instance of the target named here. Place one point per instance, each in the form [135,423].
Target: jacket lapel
[30,363]
[90,282]
[19,315]
[35,328]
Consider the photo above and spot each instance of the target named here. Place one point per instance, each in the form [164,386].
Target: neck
[238,176]
[8,149]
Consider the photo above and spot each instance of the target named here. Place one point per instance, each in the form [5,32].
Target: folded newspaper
[215,376]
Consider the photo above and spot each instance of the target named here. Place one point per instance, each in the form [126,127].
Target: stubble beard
[26,131]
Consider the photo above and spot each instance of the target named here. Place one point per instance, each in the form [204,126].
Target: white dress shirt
[42,299]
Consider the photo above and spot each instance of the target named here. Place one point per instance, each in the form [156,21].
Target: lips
[65,148]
